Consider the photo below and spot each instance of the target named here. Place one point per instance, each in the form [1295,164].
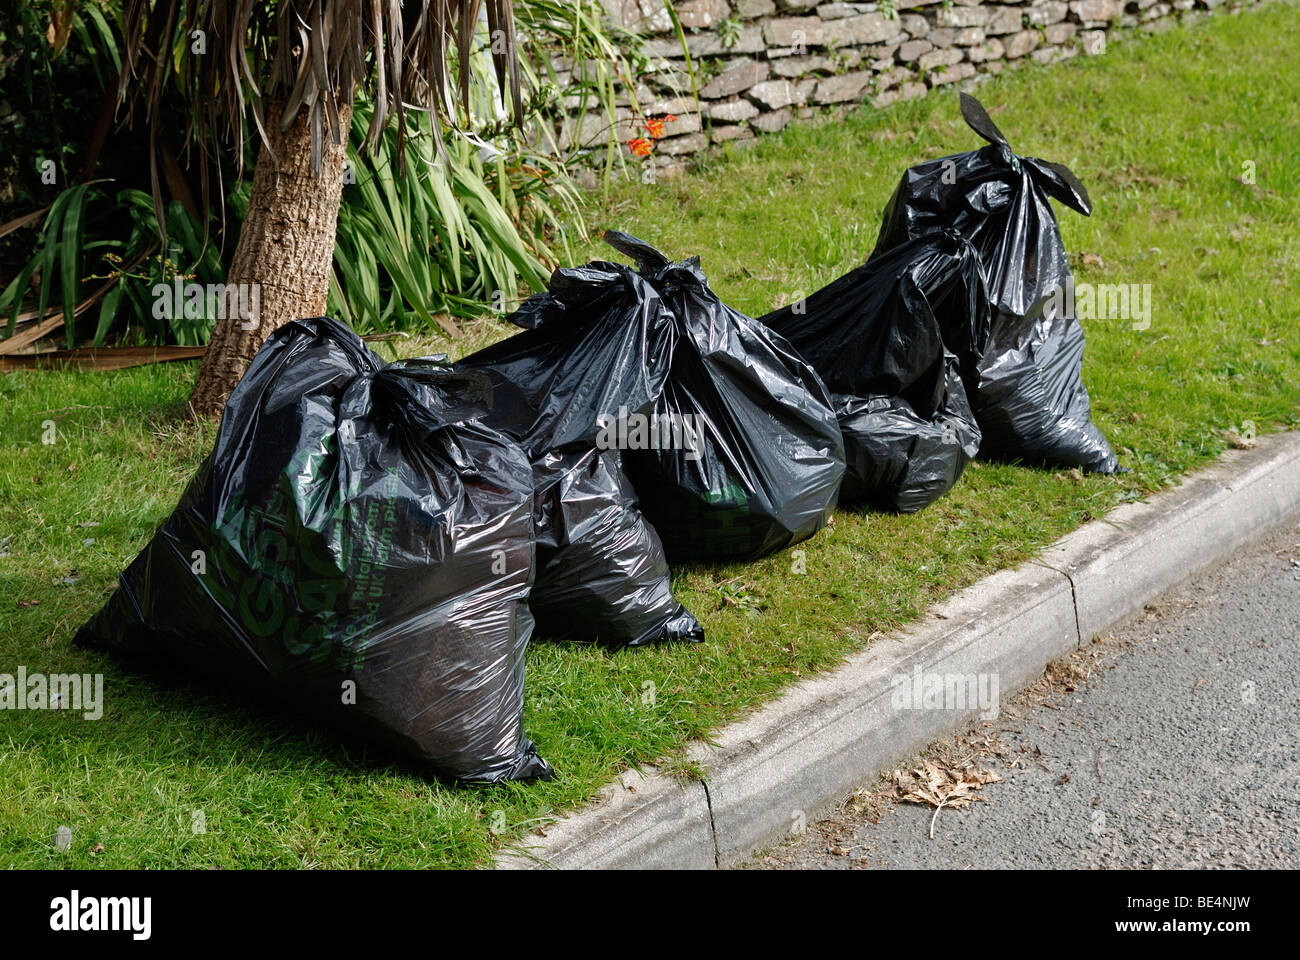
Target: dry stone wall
[760,64]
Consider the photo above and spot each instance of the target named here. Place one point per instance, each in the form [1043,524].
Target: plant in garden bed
[451,235]
[83,264]
[500,207]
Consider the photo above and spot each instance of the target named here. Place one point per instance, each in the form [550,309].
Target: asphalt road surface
[1174,743]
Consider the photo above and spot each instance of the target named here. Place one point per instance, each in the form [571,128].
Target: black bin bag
[743,455]
[875,338]
[601,570]
[597,342]
[358,545]
[1023,371]
[599,339]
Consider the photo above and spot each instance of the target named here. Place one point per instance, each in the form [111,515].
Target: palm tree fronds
[314,54]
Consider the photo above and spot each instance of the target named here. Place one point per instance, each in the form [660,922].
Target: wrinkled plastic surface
[599,339]
[875,338]
[354,522]
[1023,371]
[765,465]
[598,342]
[601,570]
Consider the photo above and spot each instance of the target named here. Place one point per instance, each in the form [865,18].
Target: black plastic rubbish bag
[742,455]
[599,341]
[357,544]
[1023,371]
[601,570]
[875,338]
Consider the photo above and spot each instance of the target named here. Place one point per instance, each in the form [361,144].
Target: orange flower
[655,128]
[639,146]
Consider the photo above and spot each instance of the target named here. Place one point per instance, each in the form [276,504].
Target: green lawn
[1158,130]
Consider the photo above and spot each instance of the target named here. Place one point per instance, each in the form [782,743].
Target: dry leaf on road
[942,785]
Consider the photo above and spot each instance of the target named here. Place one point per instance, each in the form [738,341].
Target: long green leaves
[448,234]
[58,260]
[81,233]
[444,233]
[96,37]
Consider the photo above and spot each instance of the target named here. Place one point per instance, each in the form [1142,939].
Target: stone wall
[761,63]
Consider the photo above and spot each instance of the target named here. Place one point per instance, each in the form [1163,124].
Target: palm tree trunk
[286,248]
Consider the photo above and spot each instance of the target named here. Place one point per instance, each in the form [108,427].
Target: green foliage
[81,232]
[131,294]
[471,230]
[43,99]
[419,243]
[728,31]
[445,235]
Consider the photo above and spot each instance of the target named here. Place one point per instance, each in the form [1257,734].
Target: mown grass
[1158,130]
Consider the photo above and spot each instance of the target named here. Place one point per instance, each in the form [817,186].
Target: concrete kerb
[789,761]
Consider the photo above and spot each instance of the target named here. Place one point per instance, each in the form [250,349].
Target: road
[1173,743]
